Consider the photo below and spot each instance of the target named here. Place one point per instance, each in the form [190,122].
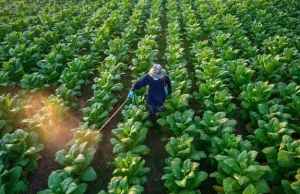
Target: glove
[130,95]
[167,95]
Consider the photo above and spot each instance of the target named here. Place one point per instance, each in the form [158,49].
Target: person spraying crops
[159,88]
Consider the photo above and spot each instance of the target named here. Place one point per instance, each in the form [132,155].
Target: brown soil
[156,138]
[206,187]
[240,128]
[156,141]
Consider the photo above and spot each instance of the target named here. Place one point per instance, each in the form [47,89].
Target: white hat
[157,71]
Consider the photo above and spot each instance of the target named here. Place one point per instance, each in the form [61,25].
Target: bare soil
[156,141]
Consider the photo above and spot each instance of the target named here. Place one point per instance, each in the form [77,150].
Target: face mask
[155,79]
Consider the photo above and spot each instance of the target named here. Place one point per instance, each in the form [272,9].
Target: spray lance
[113,115]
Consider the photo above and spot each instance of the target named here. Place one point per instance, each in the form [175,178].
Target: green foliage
[183,148]
[254,94]
[277,44]
[77,73]
[10,113]
[34,82]
[268,111]
[294,71]
[111,66]
[26,56]
[119,185]
[288,91]
[119,49]
[179,122]
[77,161]
[239,172]
[176,103]
[226,142]
[10,180]
[220,101]
[132,167]
[136,113]
[208,89]
[212,70]
[241,76]
[13,69]
[96,115]
[269,133]
[107,83]
[293,107]
[146,54]
[183,176]
[214,124]
[20,149]
[130,136]
[4,79]
[84,135]
[68,95]
[283,160]
[60,182]
[54,109]
[181,87]
[270,68]
[296,185]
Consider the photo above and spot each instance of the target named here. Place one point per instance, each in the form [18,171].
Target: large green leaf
[250,189]
[181,183]
[162,122]
[242,179]
[65,184]
[285,159]
[230,184]
[89,174]
[287,187]
[261,186]
[54,181]
[176,168]
[80,189]
[72,187]
[200,177]
[2,123]
[141,149]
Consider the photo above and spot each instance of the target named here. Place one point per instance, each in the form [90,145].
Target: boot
[153,118]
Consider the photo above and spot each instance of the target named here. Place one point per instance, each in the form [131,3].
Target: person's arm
[168,82]
[142,82]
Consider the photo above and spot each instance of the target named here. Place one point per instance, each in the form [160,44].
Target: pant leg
[151,109]
[159,108]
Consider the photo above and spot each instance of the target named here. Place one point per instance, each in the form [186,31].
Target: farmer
[159,88]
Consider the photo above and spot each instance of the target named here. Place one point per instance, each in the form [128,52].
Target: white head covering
[157,71]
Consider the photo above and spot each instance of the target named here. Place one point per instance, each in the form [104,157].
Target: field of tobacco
[230,126]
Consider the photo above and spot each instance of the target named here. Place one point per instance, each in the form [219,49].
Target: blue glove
[167,95]
[130,95]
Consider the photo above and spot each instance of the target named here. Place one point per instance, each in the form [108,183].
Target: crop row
[129,175]
[230,74]
[182,173]
[54,108]
[84,134]
[27,53]
[19,16]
